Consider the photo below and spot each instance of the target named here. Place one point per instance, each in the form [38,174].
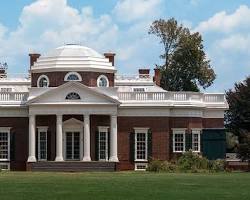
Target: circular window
[72,76]
[102,81]
[43,81]
[73,96]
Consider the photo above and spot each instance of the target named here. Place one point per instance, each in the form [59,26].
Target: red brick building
[75,113]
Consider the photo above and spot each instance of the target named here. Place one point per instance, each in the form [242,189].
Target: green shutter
[171,142]
[96,145]
[150,144]
[188,141]
[132,146]
[12,146]
[108,144]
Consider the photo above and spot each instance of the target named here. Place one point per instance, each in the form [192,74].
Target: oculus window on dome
[72,76]
[102,81]
[43,81]
[73,96]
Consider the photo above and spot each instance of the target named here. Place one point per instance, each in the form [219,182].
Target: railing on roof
[13,96]
[137,77]
[171,96]
[6,76]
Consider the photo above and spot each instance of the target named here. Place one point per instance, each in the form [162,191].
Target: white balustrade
[171,96]
[13,96]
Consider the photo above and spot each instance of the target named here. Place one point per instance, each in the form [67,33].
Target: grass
[123,185]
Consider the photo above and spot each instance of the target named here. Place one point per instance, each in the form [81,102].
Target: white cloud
[224,22]
[130,10]
[46,24]
[235,43]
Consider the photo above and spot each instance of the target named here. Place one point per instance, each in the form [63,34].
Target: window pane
[141,146]
[103,148]
[43,145]
[4,145]
[179,142]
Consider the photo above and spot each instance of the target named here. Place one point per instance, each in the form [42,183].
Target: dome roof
[70,50]
[72,57]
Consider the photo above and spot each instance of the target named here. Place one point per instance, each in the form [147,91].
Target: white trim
[6,130]
[42,129]
[105,130]
[179,131]
[74,73]
[145,131]
[197,131]
[98,79]
[141,164]
[40,77]
[5,164]
[73,125]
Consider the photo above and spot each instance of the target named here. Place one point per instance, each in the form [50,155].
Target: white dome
[72,57]
[71,50]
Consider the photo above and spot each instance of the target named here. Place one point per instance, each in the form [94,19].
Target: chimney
[111,57]
[144,73]
[157,77]
[33,58]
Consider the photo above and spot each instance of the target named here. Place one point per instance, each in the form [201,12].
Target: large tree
[238,116]
[185,66]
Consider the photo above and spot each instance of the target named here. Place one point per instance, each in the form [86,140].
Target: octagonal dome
[72,57]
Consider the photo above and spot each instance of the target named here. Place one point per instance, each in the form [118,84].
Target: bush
[156,166]
[217,165]
[190,161]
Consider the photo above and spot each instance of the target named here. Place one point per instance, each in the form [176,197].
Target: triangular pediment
[73,93]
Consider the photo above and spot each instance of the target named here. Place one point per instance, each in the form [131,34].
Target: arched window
[73,96]
[43,81]
[72,76]
[102,81]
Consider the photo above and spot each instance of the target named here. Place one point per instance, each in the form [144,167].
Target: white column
[113,139]
[32,139]
[86,139]
[59,138]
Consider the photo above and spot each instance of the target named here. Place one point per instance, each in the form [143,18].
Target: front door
[72,145]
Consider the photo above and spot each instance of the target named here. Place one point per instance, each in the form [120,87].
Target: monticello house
[74,112]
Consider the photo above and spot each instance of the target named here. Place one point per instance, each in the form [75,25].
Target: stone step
[72,166]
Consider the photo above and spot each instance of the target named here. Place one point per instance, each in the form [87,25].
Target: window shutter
[108,145]
[171,142]
[48,145]
[149,144]
[188,138]
[132,146]
[12,146]
[97,145]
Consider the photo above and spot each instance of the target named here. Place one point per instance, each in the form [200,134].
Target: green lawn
[123,185]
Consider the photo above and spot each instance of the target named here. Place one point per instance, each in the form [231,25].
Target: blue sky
[121,26]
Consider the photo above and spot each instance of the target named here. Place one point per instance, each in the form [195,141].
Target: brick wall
[57,78]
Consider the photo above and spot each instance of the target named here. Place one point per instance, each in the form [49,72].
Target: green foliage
[244,148]
[185,65]
[232,142]
[238,116]
[188,162]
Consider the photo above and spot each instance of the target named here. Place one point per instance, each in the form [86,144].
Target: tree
[238,116]
[185,65]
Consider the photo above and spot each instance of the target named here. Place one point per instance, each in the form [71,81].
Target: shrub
[156,166]
[190,161]
[217,165]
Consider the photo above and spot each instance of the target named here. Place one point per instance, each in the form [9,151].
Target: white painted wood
[32,139]
[113,139]
[59,139]
[86,154]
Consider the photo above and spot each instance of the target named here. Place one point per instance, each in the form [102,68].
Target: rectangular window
[4,166]
[42,143]
[4,144]
[141,144]
[141,166]
[196,140]
[179,140]
[103,143]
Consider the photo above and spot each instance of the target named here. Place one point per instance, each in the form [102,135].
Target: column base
[113,159]
[31,159]
[59,158]
[86,158]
